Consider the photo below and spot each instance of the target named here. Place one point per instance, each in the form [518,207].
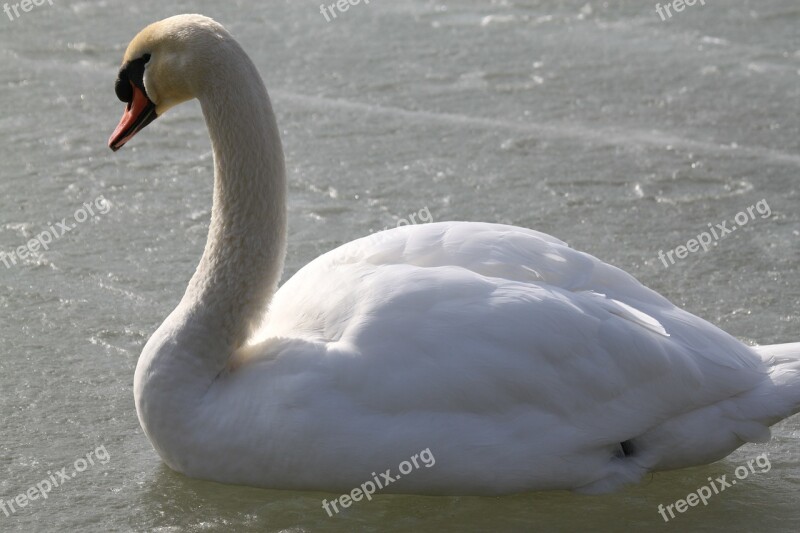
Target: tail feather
[783,393]
[789,352]
[714,431]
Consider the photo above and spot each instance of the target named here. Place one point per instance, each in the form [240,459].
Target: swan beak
[140,112]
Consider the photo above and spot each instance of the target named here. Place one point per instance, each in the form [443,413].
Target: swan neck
[243,258]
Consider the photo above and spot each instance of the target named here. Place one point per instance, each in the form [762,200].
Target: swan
[515,361]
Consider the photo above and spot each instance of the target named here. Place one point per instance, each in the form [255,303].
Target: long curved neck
[243,258]
[228,295]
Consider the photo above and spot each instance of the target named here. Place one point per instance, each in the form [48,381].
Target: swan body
[520,363]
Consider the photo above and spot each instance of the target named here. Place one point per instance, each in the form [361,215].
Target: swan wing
[446,328]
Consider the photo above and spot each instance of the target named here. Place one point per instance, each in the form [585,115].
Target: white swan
[520,363]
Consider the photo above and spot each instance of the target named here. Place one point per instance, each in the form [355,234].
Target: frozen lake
[598,122]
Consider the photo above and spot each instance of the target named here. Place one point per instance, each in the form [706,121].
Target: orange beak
[139,113]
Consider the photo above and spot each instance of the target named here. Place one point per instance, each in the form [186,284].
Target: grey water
[626,135]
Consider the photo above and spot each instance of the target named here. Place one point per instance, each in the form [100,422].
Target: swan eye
[131,72]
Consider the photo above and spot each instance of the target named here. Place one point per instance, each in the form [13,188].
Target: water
[593,121]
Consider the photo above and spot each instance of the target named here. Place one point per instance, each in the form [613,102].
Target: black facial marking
[131,72]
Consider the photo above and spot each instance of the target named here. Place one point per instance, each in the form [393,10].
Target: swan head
[163,67]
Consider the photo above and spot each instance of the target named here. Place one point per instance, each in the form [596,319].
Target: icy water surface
[597,122]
